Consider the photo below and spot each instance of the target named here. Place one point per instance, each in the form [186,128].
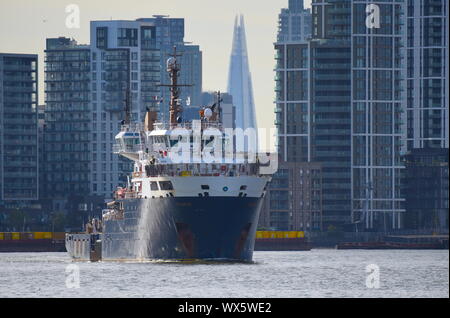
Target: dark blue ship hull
[204,228]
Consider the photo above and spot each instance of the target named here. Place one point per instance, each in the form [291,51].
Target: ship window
[166,185]
[173,143]
[154,186]
[205,187]
[244,187]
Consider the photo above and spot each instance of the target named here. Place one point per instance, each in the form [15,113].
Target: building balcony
[333,153]
[18,100]
[19,131]
[332,66]
[11,142]
[112,107]
[155,79]
[278,110]
[117,58]
[150,69]
[332,110]
[21,121]
[67,68]
[20,175]
[333,121]
[345,142]
[323,132]
[279,56]
[12,67]
[336,175]
[19,79]
[278,122]
[21,186]
[332,87]
[19,89]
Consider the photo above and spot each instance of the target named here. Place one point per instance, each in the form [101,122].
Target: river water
[317,273]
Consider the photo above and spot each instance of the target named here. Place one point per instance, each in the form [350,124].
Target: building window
[102,38]
[147,37]
[127,37]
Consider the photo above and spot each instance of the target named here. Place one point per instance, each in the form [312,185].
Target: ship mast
[173,68]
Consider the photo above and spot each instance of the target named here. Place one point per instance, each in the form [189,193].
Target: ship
[172,209]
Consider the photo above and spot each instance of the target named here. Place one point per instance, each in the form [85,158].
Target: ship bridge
[129,142]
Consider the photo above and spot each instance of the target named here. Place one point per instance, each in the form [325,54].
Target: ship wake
[147,223]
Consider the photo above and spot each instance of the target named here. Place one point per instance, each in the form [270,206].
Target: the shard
[239,79]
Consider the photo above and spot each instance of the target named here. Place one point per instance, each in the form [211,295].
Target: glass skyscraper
[239,79]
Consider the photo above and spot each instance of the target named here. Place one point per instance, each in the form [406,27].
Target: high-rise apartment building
[378,95]
[125,70]
[292,78]
[294,198]
[427,74]
[68,120]
[427,108]
[19,158]
[339,103]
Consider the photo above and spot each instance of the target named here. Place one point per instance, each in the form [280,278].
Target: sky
[25,24]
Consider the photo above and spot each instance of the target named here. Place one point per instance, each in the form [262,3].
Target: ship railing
[198,170]
[112,215]
[119,148]
[131,195]
[187,125]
